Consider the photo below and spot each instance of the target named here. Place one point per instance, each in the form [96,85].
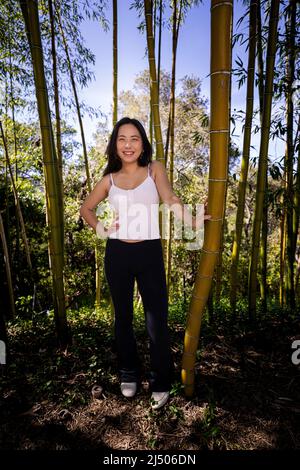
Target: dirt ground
[247,393]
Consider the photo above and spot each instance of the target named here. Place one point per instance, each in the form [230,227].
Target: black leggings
[124,262]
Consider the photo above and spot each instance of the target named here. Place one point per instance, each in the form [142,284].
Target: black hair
[114,163]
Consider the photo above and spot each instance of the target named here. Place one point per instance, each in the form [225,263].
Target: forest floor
[247,389]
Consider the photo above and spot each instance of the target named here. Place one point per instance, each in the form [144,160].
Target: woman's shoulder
[157,168]
[105,182]
[156,165]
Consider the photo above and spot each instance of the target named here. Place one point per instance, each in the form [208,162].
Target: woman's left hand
[202,217]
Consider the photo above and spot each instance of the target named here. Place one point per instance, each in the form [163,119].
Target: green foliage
[209,429]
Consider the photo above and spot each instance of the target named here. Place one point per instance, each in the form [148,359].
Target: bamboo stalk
[53,194]
[239,222]
[85,155]
[289,160]
[8,269]
[221,19]
[17,201]
[263,156]
[153,83]
[56,96]
[115,61]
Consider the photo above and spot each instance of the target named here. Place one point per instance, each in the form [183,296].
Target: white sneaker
[128,389]
[159,399]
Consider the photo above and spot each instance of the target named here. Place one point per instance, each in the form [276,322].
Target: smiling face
[129,143]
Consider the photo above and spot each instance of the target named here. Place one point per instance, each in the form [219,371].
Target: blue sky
[193,58]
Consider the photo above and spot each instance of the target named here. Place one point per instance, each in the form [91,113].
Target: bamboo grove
[250,258]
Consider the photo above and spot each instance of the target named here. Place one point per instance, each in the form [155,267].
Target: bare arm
[87,210]
[168,196]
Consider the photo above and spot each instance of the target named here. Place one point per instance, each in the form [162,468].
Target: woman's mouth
[128,154]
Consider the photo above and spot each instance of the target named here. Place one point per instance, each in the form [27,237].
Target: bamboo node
[189,354]
[217,179]
[190,336]
[220,4]
[200,297]
[199,276]
[210,252]
[227,72]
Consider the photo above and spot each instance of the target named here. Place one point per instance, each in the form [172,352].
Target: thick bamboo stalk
[245,157]
[54,205]
[153,83]
[221,19]
[263,156]
[217,285]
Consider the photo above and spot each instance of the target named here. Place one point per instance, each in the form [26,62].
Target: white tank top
[137,210]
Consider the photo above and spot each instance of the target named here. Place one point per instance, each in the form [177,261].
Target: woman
[133,185]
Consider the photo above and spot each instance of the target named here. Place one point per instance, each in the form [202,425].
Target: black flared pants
[143,261]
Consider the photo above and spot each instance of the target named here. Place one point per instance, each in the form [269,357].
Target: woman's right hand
[114,226]
[103,232]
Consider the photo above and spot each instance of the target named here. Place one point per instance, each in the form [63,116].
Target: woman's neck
[129,168]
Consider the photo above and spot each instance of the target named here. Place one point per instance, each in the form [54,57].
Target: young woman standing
[133,185]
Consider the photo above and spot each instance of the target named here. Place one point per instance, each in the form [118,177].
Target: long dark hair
[114,161]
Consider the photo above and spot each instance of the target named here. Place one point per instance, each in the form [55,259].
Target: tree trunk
[263,156]
[221,19]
